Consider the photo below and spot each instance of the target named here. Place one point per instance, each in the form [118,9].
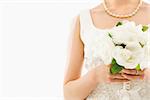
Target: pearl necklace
[119,15]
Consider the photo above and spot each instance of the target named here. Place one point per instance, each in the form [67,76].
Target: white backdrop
[33,46]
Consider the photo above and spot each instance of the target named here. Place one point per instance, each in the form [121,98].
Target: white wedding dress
[135,90]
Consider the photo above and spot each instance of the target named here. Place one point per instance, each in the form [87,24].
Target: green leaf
[113,61]
[144,28]
[115,68]
[142,45]
[109,34]
[119,23]
[138,67]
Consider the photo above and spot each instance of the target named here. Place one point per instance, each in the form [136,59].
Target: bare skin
[77,87]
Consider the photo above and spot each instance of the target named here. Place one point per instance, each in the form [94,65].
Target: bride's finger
[133,77]
[118,80]
[132,71]
[116,76]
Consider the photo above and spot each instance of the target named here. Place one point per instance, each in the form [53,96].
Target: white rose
[103,47]
[130,56]
[124,33]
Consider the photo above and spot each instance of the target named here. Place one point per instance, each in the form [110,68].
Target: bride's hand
[132,74]
[103,75]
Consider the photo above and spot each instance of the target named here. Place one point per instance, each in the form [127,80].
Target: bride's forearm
[79,89]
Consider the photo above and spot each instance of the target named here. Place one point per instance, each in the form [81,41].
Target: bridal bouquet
[126,45]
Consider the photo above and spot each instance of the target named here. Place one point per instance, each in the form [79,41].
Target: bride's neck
[121,3]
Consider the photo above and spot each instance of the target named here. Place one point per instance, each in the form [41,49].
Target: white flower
[130,56]
[124,33]
[103,47]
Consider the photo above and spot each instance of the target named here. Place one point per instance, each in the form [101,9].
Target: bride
[98,83]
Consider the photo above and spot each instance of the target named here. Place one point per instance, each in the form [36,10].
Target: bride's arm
[76,87]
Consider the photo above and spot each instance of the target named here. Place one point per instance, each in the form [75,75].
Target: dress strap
[85,24]
[85,20]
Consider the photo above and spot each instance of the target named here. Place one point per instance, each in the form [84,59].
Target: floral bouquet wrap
[126,45]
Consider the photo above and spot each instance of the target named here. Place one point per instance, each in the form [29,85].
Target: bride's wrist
[93,76]
[98,76]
